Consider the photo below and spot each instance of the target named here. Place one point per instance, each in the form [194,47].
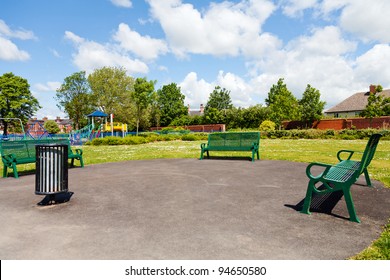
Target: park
[173,193]
[157,200]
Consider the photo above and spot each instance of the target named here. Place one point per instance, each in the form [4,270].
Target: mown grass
[300,150]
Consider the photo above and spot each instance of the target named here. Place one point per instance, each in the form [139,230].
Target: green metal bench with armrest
[232,141]
[18,152]
[341,177]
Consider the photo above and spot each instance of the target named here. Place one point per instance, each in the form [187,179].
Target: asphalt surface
[174,209]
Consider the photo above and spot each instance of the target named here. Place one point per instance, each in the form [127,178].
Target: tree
[219,99]
[171,103]
[111,92]
[16,100]
[311,106]
[282,104]
[377,105]
[254,116]
[51,127]
[142,96]
[74,98]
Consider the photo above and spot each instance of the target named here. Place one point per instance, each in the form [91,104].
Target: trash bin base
[56,198]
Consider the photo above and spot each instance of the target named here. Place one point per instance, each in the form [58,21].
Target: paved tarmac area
[174,209]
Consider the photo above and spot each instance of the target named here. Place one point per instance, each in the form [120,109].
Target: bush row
[346,134]
[148,137]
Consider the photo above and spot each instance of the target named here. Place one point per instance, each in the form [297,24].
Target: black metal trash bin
[51,175]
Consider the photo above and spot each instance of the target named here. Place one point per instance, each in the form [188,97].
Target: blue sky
[337,46]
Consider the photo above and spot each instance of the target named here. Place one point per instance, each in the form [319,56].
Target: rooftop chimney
[201,108]
[373,89]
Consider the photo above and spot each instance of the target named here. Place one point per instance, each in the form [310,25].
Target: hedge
[347,134]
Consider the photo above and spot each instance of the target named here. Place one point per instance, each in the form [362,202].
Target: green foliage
[282,104]
[377,105]
[267,126]
[51,127]
[73,98]
[16,100]
[213,115]
[111,92]
[219,99]
[171,103]
[142,97]
[311,106]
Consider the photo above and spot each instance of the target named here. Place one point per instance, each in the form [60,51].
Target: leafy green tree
[213,115]
[282,104]
[254,115]
[74,98]
[377,105]
[219,99]
[235,118]
[51,127]
[142,97]
[386,106]
[311,106]
[16,100]
[171,103]
[111,92]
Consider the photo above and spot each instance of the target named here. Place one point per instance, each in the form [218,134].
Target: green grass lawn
[301,150]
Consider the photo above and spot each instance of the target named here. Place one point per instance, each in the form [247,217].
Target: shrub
[267,126]
[97,141]
[134,140]
[113,140]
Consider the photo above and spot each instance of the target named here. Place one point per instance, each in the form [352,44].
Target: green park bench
[18,152]
[232,141]
[340,177]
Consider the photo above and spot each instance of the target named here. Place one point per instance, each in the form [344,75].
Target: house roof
[356,102]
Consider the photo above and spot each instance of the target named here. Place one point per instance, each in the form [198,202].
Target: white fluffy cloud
[295,8]
[305,60]
[372,66]
[362,18]
[195,90]
[122,3]
[91,55]
[367,19]
[8,49]
[223,29]
[143,46]
[47,87]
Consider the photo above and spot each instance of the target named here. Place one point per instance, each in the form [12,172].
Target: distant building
[354,105]
[65,125]
[196,112]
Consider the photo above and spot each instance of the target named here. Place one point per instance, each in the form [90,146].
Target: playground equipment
[15,136]
[37,131]
[78,137]
[117,126]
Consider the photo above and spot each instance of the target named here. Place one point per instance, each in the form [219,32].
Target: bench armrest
[349,152]
[8,158]
[310,174]
[79,151]
[203,145]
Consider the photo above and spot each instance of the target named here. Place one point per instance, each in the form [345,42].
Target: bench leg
[201,154]
[5,171]
[368,181]
[351,207]
[81,161]
[15,170]
[307,202]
